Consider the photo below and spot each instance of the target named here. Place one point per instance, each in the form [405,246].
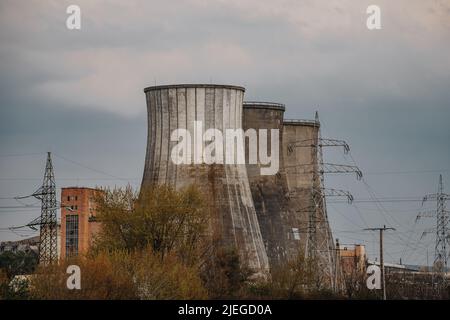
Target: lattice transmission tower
[442,244]
[48,221]
[321,249]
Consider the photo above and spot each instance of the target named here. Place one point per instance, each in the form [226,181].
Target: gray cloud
[79,93]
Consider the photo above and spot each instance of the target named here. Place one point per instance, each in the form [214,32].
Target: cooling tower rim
[194,85]
[264,105]
[301,122]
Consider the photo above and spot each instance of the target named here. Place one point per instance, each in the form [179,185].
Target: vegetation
[166,220]
[16,263]
[121,275]
[158,245]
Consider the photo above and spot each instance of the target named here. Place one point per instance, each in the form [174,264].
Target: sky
[79,94]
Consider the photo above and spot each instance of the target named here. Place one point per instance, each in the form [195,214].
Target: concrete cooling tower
[224,185]
[290,205]
[281,226]
[301,165]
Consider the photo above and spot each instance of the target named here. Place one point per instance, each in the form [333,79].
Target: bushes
[223,273]
[15,263]
[150,246]
[120,275]
[157,245]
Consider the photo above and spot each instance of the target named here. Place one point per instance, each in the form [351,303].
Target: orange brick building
[78,221]
[353,260]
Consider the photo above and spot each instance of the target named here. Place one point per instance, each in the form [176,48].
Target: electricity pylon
[442,244]
[48,244]
[320,249]
[47,221]
[49,226]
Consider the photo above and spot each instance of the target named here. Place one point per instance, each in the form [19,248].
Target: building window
[76,198]
[71,235]
[296,233]
[68,198]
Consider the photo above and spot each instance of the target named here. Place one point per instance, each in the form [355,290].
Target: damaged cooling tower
[283,201]
[290,205]
[301,165]
[225,186]
[278,220]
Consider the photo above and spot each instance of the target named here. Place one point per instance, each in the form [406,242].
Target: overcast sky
[78,93]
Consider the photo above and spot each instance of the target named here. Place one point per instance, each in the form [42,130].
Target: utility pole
[383,280]
[337,258]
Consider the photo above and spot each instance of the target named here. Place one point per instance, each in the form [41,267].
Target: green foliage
[297,279]
[150,246]
[224,275]
[16,263]
[161,217]
[18,291]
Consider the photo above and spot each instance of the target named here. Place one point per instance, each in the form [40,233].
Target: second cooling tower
[225,186]
[282,227]
[290,205]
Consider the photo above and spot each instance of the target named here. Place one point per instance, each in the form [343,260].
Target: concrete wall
[301,165]
[278,219]
[285,202]
[225,186]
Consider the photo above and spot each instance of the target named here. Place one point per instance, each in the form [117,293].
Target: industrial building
[270,219]
[353,259]
[78,220]
[225,186]
[290,205]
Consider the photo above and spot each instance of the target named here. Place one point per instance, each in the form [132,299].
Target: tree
[18,263]
[295,278]
[150,246]
[223,273]
[160,217]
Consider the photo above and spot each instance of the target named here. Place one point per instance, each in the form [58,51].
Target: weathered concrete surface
[290,207]
[277,216]
[225,186]
[300,178]
[301,165]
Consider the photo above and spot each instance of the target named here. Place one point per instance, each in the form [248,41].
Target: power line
[405,172]
[378,204]
[90,168]
[378,201]
[21,154]
[18,207]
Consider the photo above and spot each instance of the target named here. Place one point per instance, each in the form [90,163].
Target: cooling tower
[290,205]
[277,216]
[224,185]
[301,165]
